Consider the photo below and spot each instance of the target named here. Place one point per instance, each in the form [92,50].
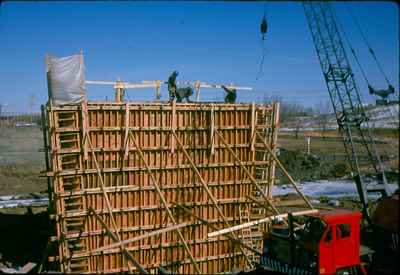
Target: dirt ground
[21,161]
[327,157]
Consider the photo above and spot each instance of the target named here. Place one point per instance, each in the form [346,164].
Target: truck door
[344,246]
[326,252]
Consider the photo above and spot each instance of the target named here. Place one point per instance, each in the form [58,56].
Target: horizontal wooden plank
[67,172]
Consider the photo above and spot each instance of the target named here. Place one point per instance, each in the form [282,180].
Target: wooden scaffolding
[137,187]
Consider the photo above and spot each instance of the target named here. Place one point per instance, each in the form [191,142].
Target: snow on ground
[331,189]
[384,116]
[15,201]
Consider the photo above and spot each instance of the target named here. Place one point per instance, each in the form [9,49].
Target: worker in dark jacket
[230,95]
[172,85]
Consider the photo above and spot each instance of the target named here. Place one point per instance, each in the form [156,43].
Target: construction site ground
[21,162]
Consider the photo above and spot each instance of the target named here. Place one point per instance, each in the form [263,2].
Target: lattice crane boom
[345,97]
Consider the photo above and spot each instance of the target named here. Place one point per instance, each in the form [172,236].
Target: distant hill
[384,117]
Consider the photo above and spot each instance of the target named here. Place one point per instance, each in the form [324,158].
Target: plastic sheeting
[66,79]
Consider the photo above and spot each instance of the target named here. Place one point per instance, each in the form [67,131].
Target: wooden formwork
[138,186]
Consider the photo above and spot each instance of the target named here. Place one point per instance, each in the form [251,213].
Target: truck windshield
[311,227]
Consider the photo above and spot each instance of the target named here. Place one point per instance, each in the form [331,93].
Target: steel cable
[367,43]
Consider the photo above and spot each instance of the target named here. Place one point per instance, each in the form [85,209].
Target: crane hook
[263,27]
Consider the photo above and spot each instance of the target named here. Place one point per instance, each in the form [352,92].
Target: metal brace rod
[248,173]
[116,238]
[213,227]
[164,202]
[285,172]
[214,201]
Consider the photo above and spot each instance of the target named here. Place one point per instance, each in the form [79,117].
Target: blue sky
[214,42]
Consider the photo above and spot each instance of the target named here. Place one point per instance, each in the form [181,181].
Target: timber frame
[138,187]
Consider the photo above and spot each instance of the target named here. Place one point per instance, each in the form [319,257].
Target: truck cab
[324,243]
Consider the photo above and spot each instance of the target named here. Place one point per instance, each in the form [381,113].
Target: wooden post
[82,80]
[84,128]
[126,142]
[158,94]
[274,129]
[197,88]
[173,126]
[119,91]
[253,126]
[46,154]
[212,129]
[48,74]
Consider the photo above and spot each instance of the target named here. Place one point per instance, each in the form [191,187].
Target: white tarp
[66,79]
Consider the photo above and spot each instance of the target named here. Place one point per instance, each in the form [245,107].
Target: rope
[367,43]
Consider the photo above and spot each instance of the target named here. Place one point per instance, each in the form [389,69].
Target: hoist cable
[261,67]
[367,43]
[263,29]
[387,110]
[265,8]
[351,49]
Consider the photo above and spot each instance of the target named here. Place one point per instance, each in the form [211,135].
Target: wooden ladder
[69,142]
[247,234]
[261,172]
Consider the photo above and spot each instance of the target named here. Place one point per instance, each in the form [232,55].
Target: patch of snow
[331,189]
[15,201]
[380,116]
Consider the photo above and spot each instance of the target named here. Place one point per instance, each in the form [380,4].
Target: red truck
[324,243]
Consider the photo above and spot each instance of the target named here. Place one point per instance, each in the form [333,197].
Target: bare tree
[297,127]
[323,109]
[289,111]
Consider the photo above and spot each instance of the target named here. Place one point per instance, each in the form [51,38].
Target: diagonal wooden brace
[164,202]
[141,237]
[213,227]
[109,208]
[248,173]
[116,239]
[285,172]
[210,195]
[85,126]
